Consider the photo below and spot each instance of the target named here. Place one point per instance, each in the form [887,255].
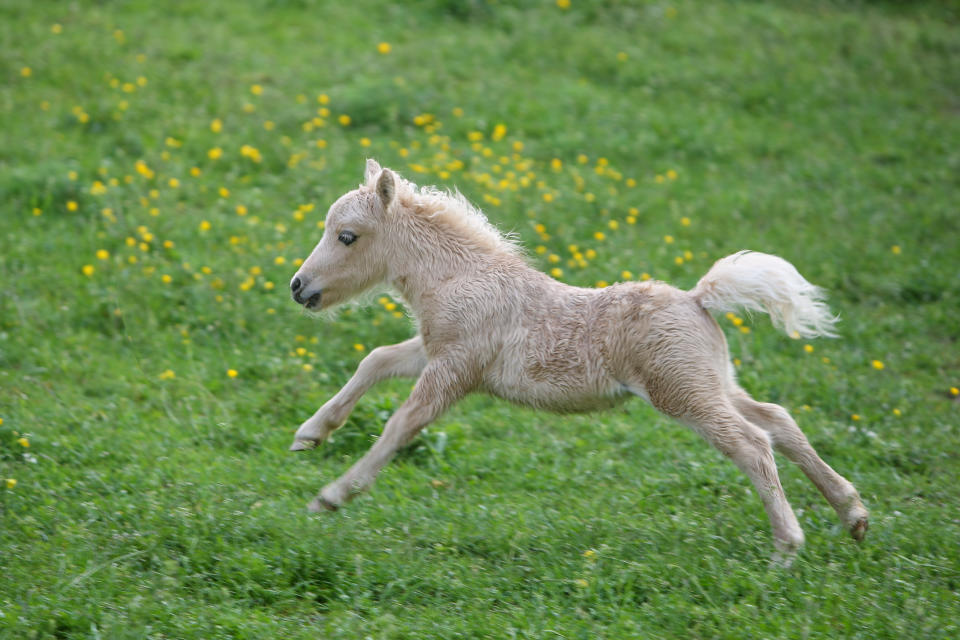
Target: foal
[488,322]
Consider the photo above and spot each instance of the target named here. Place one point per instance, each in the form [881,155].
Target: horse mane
[450,210]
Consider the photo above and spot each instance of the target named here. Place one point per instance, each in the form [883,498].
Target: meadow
[164,167]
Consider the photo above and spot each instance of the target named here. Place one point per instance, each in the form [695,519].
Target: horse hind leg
[748,447]
[789,440]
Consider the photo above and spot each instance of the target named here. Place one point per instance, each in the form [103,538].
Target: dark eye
[347,237]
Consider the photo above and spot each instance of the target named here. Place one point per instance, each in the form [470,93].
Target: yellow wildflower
[11,483]
[232,373]
[878,365]
[103,254]
[88,270]
[383,48]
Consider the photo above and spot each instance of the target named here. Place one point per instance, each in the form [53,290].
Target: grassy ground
[164,165]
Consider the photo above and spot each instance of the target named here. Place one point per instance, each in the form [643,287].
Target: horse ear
[386,187]
[373,168]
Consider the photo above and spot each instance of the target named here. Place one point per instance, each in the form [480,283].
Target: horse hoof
[859,529]
[319,505]
[302,445]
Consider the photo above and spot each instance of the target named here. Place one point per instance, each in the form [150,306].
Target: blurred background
[165,167]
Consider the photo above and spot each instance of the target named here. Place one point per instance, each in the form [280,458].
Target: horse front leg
[406,359]
[439,386]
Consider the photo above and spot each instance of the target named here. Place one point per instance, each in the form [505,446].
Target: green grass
[168,507]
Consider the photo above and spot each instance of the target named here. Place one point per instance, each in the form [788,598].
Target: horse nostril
[295,285]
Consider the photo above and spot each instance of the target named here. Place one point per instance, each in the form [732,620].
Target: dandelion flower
[897,412]
[344,120]
[71,205]
[808,348]
[383,48]
[668,239]
[556,272]
[359,347]
[103,254]
[88,270]
[877,364]
[215,153]
[626,275]
[589,553]
[204,225]
[23,442]
[256,89]
[167,375]
[954,392]
[26,72]
[11,483]
[599,236]
[232,373]
[895,249]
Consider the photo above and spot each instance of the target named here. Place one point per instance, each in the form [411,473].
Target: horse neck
[426,256]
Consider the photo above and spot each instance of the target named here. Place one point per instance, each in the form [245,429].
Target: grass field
[163,167]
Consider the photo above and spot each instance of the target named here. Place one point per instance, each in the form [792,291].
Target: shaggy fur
[488,322]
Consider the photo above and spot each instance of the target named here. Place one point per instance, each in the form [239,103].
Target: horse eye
[347,237]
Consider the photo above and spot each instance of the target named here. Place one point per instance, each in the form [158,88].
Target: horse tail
[762,282]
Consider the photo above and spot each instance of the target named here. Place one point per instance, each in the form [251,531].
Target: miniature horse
[488,322]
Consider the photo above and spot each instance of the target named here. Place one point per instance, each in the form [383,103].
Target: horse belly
[564,391]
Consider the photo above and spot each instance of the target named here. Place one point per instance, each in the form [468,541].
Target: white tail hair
[762,282]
